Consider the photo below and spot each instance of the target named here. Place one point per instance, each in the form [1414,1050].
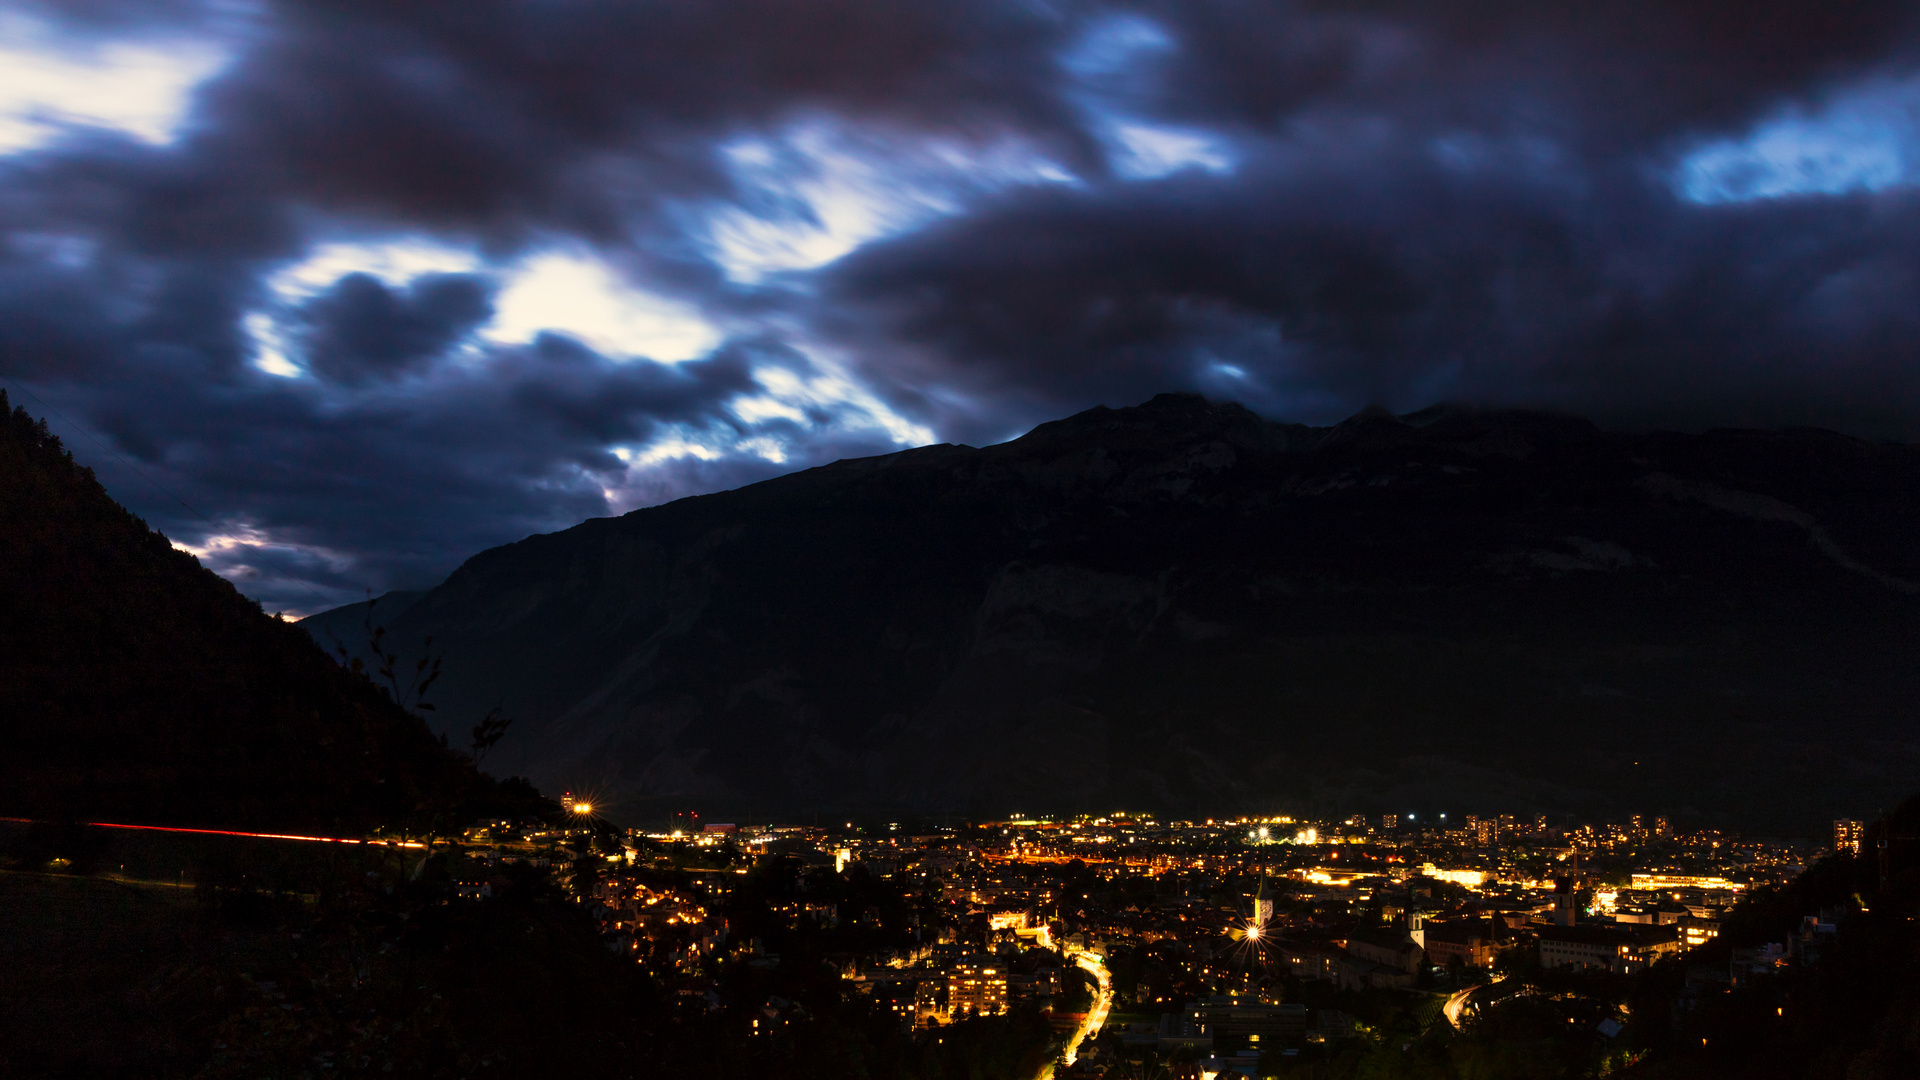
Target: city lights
[1257,413]
[1439,892]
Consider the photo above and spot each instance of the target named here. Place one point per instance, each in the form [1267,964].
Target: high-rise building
[1662,827]
[1847,835]
[1388,821]
[1481,829]
[979,986]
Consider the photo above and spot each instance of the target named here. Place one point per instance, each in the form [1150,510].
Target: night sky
[376,285]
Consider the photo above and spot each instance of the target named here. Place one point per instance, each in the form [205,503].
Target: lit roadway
[1096,1016]
[1457,1004]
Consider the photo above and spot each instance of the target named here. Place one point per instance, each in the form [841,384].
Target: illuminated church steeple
[1262,905]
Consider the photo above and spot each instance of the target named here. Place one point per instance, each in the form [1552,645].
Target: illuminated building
[1481,831]
[1236,1023]
[1565,902]
[929,1000]
[1469,941]
[1682,881]
[979,986]
[1389,821]
[1262,906]
[1472,879]
[1622,949]
[1847,834]
[1697,930]
[897,999]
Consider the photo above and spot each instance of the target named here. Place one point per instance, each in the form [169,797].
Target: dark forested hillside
[136,685]
[1185,608]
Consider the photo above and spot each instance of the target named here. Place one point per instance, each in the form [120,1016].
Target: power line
[142,474]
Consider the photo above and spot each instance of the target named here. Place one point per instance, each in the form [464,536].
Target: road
[1457,1004]
[1095,966]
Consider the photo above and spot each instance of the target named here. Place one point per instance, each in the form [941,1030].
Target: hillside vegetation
[138,686]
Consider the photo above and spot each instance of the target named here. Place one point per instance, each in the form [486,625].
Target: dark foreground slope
[137,685]
[1184,608]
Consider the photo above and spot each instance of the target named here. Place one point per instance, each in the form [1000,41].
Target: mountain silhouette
[1185,609]
[138,687]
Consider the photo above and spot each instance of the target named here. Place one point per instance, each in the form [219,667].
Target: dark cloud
[394,484]
[1308,206]
[1315,295]
[360,329]
[501,116]
[1433,201]
[582,393]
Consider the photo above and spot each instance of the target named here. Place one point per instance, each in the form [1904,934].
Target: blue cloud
[1865,140]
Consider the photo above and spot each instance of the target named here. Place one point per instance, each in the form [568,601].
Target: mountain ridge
[1093,613]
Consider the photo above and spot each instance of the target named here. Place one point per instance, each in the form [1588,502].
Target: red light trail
[232,832]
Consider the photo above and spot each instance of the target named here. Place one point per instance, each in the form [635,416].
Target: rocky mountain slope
[1183,608]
